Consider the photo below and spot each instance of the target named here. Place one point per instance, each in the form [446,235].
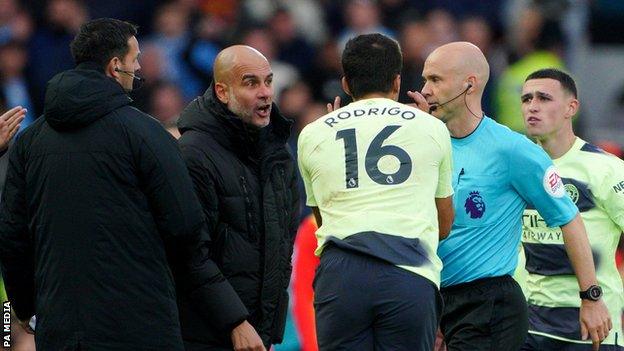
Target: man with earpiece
[99,210]
[496,174]
[131,75]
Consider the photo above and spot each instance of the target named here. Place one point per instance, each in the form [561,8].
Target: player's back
[374,169]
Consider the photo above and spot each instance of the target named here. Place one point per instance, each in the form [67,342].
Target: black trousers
[542,343]
[485,314]
[197,346]
[364,303]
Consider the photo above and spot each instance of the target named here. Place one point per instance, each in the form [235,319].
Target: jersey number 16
[375,152]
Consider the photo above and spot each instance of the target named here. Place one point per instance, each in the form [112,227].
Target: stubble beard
[238,110]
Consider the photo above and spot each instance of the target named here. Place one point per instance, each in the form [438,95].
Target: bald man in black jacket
[234,143]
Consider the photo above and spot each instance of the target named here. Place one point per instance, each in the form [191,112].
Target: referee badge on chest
[474,205]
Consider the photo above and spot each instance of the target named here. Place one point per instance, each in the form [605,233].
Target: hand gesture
[595,321]
[419,101]
[245,338]
[9,125]
[335,106]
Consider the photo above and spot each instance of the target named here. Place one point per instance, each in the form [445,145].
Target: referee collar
[474,134]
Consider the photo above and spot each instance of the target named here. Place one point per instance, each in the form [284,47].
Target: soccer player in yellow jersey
[594,180]
[377,175]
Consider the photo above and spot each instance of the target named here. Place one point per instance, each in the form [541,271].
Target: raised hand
[9,125]
[335,106]
[419,101]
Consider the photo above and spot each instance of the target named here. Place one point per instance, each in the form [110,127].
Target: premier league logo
[475,205]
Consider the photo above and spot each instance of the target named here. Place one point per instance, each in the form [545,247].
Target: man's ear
[396,84]
[221,90]
[472,85]
[345,86]
[110,71]
[573,107]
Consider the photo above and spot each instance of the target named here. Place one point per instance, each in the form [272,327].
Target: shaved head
[243,81]
[455,76]
[233,56]
[463,59]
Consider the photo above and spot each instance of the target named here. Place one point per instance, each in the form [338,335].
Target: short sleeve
[303,159]
[537,181]
[612,193]
[445,186]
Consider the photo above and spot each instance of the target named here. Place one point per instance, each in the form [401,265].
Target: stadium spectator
[292,47]
[442,28]
[14,86]
[310,18]
[286,74]
[325,79]
[394,13]
[593,180]
[475,29]
[414,44]
[202,49]
[172,36]
[380,210]
[234,143]
[47,49]
[497,172]
[99,210]
[361,17]
[166,104]
[295,100]
[538,44]
[15,24]
[152,62]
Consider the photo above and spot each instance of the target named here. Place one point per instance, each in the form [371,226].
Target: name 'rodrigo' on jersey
[374,169]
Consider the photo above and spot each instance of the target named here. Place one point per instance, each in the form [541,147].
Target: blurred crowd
[303,40]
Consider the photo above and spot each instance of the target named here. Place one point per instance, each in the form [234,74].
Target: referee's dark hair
[102,39]
[371,62]
[567,82]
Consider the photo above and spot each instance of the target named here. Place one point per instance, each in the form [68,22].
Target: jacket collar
[214,117]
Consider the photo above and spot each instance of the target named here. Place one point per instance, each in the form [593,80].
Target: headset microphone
[435,107]
[131,74]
